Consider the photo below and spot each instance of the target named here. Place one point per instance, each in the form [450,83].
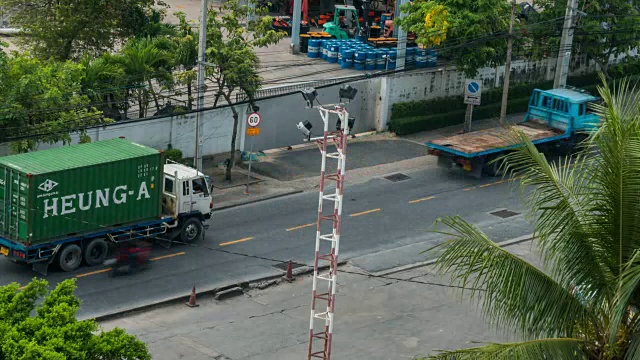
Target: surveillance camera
[305,127]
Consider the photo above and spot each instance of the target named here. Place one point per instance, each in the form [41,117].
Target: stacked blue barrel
[356,54]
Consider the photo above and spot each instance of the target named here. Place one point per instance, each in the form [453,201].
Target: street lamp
[309,96]
[347,92]
[331,212]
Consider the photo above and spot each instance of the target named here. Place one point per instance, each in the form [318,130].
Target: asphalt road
[245,243]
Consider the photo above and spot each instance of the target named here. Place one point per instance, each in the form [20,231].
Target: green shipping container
[56,193]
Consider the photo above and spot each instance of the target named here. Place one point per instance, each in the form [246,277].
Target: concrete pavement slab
[376,318]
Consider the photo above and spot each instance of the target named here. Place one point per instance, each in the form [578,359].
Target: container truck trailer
[63,206]
[556,119]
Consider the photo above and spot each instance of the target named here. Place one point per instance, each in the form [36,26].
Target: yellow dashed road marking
[300,227]
[236,241]
[365,212]
[422,199]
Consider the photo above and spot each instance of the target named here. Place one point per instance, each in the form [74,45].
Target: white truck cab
[187,198]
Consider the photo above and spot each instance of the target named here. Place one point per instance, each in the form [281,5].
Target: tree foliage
[186,55]
[66,29]
[38,324]
[466,30]
[42,101]
[607,28]
[230,48]
[585,302]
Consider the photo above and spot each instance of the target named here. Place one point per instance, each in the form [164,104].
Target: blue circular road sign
[473,87]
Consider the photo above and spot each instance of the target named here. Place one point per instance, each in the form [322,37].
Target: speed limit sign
[253,119]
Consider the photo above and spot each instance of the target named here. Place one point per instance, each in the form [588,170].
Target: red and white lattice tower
[322,319]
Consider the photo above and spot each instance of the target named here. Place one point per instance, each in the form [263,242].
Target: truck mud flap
[477,165]
[41,267]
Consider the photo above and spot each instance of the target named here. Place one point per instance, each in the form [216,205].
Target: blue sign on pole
[472,92]
[473,87]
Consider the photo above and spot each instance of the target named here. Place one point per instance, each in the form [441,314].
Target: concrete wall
[371,108]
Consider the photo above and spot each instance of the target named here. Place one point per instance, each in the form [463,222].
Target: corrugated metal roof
[76,156]
[572,95]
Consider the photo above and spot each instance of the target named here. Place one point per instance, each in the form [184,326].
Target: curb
[206,292]
[505,243]
[246,284]
[293,192]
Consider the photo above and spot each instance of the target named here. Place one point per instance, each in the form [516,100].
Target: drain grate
[283,266]
[397,177]
[504,213]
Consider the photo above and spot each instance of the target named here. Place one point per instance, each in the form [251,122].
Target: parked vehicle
[556,119]
[65,205]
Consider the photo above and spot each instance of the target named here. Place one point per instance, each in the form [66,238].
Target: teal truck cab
[556,119]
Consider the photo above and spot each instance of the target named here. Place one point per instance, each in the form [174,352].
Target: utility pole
[401,54]
[564,53]
[295,27]
[197,158]
[507,65]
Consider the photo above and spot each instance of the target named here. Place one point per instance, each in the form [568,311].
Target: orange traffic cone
[192,299]
[289,277]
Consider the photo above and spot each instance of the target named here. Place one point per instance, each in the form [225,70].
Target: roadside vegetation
[585,303]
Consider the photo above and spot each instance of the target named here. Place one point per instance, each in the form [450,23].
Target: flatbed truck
[556,119]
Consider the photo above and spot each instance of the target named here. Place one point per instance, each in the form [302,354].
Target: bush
[173,155]
[413,124]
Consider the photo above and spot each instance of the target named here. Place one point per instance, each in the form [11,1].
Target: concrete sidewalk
[396,316]
[285,172]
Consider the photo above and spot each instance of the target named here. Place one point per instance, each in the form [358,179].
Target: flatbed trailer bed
[556,119]
[493,140]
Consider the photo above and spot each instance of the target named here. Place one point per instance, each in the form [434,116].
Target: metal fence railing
[285,90]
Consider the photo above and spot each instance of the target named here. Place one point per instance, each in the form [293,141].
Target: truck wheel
[70,257]
[492,167]
[191,230]
[95,252]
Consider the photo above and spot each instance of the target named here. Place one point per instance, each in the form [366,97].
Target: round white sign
[253,119]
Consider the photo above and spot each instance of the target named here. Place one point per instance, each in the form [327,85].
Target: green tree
[463,30]
[609,28]
[38,324]
[104,83]
[65,29]
[584,303]
[230,47]
[186,55]
[143,61]
[43,102]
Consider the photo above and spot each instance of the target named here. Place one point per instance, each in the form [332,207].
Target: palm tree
[103,83]
[584,303]
[145,60]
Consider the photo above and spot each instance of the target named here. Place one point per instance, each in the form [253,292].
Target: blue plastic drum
[421,58]
[371,60]
[360,59]
[332,54]
[314,48]
[410,57]
[347,58]
[393,54]
[381,59]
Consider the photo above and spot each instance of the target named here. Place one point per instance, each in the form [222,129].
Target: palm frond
[633,351]
[627,287]
[560,348]
[558,201]
[616,171]
[513,293]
